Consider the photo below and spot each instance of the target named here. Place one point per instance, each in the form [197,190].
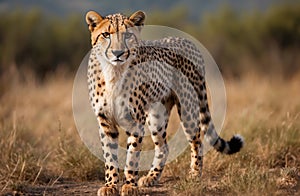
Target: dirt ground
[65,187]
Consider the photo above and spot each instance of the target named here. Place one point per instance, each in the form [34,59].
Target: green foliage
[282,26]
[268,42]
[240,42]
[32,41]
[177,17]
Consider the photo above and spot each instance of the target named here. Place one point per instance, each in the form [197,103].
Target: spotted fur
[133,83]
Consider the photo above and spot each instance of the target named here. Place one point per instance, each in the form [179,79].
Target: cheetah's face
[115,34]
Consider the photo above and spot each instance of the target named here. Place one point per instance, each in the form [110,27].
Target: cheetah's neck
[112,73]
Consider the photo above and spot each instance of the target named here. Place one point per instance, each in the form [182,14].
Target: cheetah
[135,83]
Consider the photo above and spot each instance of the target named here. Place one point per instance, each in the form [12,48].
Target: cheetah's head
[115,34]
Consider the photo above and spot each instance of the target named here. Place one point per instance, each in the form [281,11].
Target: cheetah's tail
[226,147]
[229,147]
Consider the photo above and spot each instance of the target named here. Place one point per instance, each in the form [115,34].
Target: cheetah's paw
[108,191]
[129,190]
[147,181]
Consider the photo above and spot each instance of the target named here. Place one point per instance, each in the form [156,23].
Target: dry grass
[40,145]
[267,113]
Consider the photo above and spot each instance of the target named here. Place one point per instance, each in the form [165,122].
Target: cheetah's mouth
[118,60]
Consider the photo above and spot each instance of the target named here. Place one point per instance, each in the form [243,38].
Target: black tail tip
[235,144]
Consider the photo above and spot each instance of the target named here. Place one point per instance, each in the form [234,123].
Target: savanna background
[256,45]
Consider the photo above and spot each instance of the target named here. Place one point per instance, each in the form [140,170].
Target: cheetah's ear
[138,18]
[92,18]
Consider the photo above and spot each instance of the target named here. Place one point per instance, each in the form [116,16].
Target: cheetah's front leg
[157,122]
[134,145]
[109,142]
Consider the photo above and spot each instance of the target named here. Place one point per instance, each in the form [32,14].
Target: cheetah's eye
[106,35]
[128,35]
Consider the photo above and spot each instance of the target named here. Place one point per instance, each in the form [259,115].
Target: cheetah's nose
[118,53]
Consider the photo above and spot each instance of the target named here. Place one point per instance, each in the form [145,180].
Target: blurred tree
[32,41]
[282,26]
[176,18]
[267,42]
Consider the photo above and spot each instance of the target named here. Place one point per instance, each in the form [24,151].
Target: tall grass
[38,139]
